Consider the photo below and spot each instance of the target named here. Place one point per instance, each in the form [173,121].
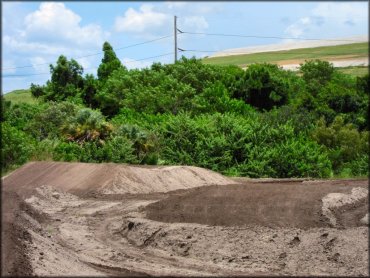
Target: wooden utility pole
[175,36]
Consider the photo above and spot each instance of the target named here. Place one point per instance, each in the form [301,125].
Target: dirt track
[80,219]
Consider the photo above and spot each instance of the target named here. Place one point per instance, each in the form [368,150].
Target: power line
[24,75]
[166,54]
[261,37]
[94,54]
[133,61]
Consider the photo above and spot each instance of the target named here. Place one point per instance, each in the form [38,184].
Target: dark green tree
[66,80]
[109,63]
[90,90]
[264,86]
[316,74]
[37,90]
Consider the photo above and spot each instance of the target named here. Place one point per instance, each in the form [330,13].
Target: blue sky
[36,33]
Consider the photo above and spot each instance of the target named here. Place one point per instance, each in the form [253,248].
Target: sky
[35,34]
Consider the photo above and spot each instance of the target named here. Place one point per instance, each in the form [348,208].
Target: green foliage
[121,150]
[344,143]
[261,122]
[215,98]
[66,81]
[17,147]
[37,90]
[233,144]
[143,143]
[264,86]
[19,115]
[109,63]
[90,90]
[146,90]
[86,125]
[67,151]
[316,74]
[48,123]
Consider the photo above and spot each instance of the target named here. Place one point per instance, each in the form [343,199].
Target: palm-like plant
[87,125]
[141,141]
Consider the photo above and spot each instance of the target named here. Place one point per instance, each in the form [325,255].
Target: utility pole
[175,36]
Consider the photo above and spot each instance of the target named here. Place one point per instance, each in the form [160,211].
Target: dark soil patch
[273,204]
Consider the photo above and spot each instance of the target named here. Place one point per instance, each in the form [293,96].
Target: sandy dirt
[76,219]
[337,62]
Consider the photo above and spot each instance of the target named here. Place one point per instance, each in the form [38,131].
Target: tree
[316,74]
[90,90]
[37,90]
[109,63]
[264,86]
[66,80]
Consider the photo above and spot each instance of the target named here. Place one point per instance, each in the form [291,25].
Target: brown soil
[76,219]
[293,204]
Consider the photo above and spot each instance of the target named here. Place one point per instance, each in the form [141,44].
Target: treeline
[258,122]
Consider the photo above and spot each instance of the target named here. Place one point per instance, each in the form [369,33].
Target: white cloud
[175,5]
[53,30]
[339,14]
[54,22]
[133,64]
[342,12]
[39,64]
[194,23]
[146,20]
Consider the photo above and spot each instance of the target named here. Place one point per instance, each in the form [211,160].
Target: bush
[17,146]
[48,123]
[120,150]
[243,146]
[316,74]
[67,152]
[343,142]
[264,86]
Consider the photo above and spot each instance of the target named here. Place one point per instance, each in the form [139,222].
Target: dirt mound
[109,178]
[335,201]
[293,204]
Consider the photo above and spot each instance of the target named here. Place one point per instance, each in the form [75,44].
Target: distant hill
[346,55]
[20,96]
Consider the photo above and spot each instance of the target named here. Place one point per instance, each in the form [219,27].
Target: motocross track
[78,219]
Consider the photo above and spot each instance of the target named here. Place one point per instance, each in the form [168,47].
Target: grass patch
[20,96]
[355,71]
[355,50]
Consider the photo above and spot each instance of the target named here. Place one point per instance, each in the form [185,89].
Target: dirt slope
[270,204]
[110,178]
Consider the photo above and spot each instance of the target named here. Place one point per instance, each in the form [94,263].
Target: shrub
[17,146]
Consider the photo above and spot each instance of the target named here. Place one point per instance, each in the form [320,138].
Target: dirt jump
[79,219]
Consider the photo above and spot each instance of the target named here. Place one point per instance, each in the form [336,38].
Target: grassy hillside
[356,71]
[19,96]
[356,50]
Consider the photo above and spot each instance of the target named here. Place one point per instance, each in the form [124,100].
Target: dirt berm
[78,219]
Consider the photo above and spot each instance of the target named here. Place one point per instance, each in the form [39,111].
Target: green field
[20,96]
[356,71]
[355,50]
